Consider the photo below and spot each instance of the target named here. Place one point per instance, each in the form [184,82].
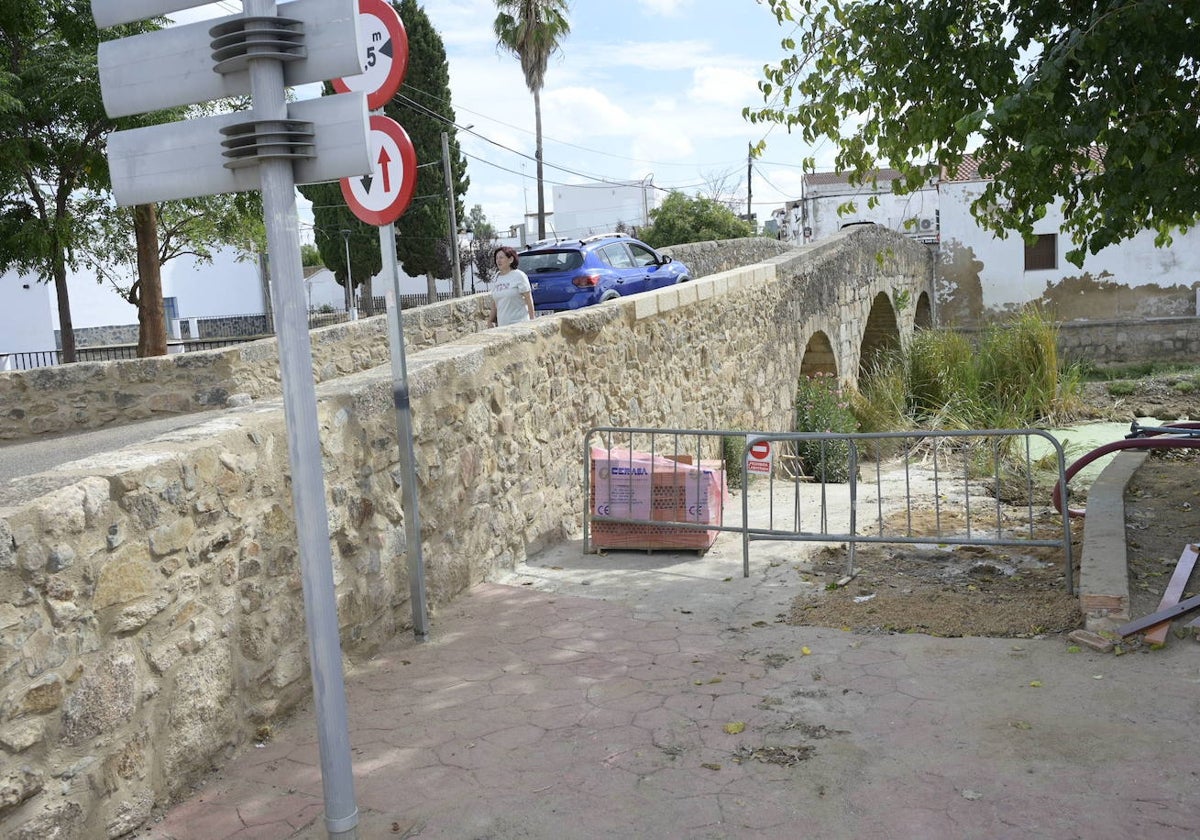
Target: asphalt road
[24,464]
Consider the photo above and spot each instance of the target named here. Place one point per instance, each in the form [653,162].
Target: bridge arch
[881,333]
[819,356]
[923,316]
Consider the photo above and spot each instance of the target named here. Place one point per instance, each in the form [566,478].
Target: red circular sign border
[391,21]
[757,444]
[408,182]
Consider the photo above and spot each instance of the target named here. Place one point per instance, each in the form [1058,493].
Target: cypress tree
[422,107]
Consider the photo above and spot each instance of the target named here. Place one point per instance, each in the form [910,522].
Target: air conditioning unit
[926,225]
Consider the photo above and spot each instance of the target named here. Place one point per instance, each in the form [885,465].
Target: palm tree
[531,30]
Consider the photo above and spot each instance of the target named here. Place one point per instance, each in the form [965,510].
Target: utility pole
[351,309]
[749,193]
[455,267]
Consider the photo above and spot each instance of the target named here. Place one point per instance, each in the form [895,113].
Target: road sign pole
[408,474]
[304,449]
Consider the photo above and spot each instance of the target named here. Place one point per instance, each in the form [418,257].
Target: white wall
[25,314]
[227,287]
[1005,282]
[891,212]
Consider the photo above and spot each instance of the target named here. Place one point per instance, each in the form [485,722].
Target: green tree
[53,172]
[532,30]
[482,245]
[423,108]
[128,247]
[423,232]
[682,219]
[310,255]
[1036,91]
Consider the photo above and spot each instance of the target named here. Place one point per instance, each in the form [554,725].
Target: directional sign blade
[114,12]
[184,159]
[381,196]
[384,54]
[174,66]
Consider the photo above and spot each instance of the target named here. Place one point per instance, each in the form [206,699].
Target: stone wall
[151,617]
[90,395]
[1121,342]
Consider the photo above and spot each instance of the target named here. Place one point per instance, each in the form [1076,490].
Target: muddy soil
[998,591]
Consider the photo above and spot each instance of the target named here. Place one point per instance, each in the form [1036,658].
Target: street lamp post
[468,234]
[351,309]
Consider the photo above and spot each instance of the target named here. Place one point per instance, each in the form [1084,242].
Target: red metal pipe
[1158,439]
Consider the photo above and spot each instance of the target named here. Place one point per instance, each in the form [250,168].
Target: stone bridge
[150,608]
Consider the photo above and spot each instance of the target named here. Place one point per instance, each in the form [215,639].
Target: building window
[1043,253]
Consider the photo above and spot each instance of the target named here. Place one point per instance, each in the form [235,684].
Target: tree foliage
[1091,106]
[423,108]
[482,245]
[532,30]
[195,227]
[331,218]
[681,219]
[53,172]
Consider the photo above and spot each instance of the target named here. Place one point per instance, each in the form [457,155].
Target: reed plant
[1010,378]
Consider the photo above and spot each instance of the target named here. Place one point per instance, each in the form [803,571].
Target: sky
[641,89]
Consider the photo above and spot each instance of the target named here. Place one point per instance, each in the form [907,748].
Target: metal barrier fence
[989,487]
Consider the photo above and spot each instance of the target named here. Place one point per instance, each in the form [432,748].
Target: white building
[981,276]
[816,214]
[599,207]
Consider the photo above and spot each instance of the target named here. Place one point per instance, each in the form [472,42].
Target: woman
[512,298]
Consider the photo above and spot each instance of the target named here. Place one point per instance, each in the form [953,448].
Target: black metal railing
[214,332]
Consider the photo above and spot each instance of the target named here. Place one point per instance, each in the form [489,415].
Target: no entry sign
[758,457]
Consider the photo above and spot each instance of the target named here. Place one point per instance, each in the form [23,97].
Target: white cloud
[664,8]
[724,86]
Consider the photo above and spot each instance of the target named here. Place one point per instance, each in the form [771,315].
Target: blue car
[572,273]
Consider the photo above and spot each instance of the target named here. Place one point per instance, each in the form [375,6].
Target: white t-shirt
[508,293]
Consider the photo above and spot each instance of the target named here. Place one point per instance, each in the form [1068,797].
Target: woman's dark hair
[510,252]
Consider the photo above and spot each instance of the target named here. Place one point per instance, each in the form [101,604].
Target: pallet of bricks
[627,484]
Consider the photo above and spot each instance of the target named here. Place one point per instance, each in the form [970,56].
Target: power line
[469,130]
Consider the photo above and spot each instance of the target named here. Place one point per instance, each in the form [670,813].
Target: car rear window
[542,262]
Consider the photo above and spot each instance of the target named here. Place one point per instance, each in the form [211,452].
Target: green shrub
[1185,386]
[821,406]
[733,449]
[1121,388]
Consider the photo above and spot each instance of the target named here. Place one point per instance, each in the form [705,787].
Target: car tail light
[586,281]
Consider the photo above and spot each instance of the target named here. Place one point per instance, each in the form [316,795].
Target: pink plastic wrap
[633,485]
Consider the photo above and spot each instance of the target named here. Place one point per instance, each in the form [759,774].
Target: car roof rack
[615,234]
[541,243]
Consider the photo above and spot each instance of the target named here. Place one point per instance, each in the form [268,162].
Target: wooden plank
[1162,615]
[1157,634]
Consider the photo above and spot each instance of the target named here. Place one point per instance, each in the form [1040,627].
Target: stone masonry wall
[90,395]
[151,617]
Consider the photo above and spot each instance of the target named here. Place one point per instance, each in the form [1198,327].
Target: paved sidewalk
[658,696]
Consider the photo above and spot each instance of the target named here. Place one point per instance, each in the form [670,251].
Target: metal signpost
[379,198]
[269,148]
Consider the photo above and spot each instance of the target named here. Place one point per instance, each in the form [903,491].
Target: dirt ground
[1005,592]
